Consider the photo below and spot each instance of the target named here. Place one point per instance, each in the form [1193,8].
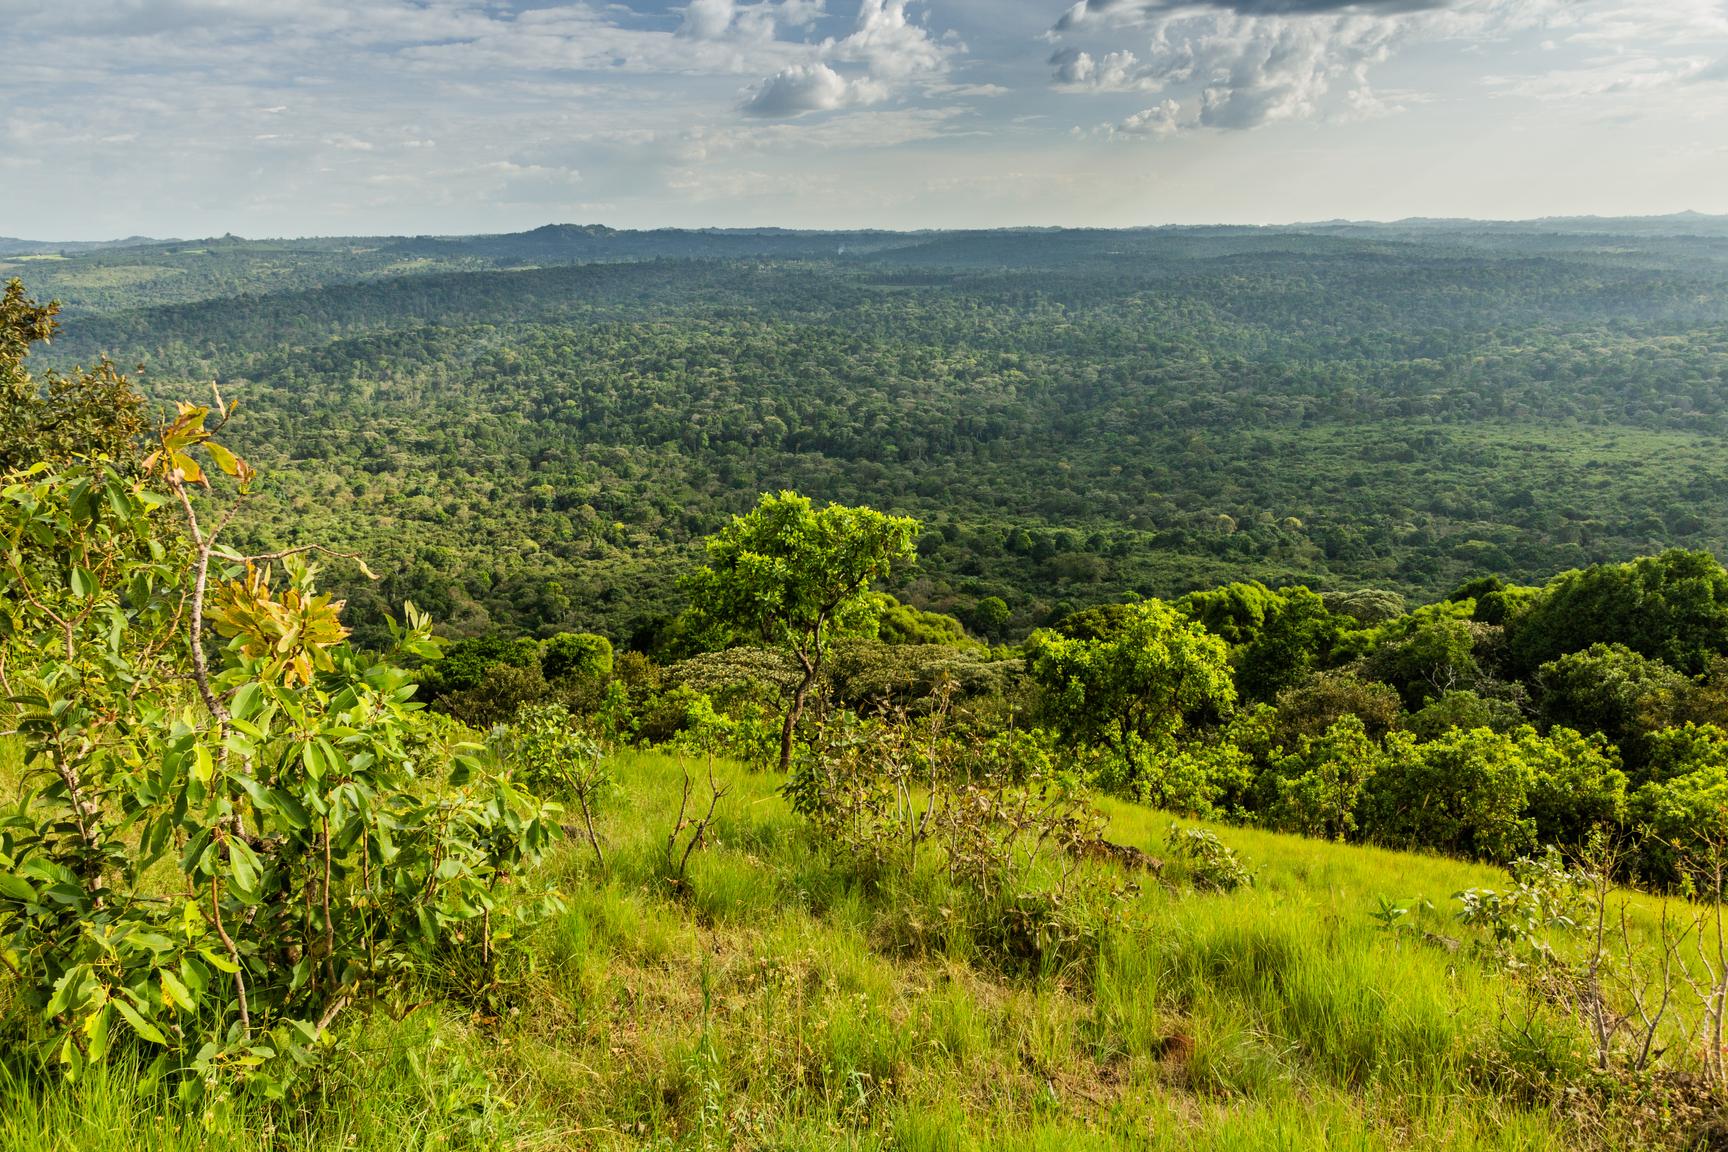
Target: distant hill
[12,246]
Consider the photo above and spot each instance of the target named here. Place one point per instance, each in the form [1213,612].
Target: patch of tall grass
[771,998]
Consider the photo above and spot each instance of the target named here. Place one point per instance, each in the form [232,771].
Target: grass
[776,1004]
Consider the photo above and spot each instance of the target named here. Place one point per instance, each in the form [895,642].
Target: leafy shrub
[1212,865]
[1672,607]
[1149,672]
[551,756]
[1684,824]
[214,862]
[1204,779]
[1610,689]
[885,795]
[1319,787]
[1543,896]
[1465,793]
[576,655]
[1465,709]
[1576,786]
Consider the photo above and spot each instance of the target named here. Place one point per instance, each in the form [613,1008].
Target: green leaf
[14,887]
[175,992]
[220,963]
[312,761]
[96,1033]
[243,867]
[225,460]
[83,583]
[140,1025]
[245,701]
[203,764]
[68,991]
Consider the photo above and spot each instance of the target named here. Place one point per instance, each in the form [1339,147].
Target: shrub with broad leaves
[232,829]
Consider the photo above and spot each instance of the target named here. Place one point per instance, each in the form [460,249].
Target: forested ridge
[1075,414]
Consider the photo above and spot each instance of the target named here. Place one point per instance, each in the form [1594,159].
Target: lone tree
[792,576]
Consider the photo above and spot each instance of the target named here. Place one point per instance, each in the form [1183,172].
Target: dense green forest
[528,433]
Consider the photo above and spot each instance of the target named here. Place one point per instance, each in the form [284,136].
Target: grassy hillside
[776,1003]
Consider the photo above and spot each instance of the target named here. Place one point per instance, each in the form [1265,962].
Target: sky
[355,117]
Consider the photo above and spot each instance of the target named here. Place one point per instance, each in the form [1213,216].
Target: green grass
[776,1004]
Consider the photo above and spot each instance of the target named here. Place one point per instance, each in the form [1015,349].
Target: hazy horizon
[910,230]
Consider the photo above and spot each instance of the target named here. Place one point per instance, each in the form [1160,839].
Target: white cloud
[1119,71]
[267,117]
[892,45]
[1163,119]
[707,19]
[808,88]
[1247,63]
[886,51]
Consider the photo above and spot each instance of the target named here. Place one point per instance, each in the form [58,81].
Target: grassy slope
[779,1006]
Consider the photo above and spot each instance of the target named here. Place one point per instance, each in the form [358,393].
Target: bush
[1464,793]
[1319,787]
[1684,826]
[576,655]
[1311,707]
[1612,690]
[1543,897]
[886,797]
[214,861]
[1466,709]
[1575,788]
[550,755]
[1212,865]
[1672,607]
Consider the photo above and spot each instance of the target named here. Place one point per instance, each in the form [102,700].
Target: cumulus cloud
[1160,120]
[1128,10]
[1240,64]
[1119,71]
[885,50]
[707,19]
[808,88]
[1259,70]
[891,44]
[714,20]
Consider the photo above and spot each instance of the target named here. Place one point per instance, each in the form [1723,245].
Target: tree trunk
[791,725]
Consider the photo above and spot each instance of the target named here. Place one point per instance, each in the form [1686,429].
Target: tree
[1320,785]
[1276,638]
[1427,654]
[578,655]
[1672,607]
[991,615]
[1136,684]
[792,576]
[1576,785]
[1466,793]
[902,624]
[94,413]
[1609,688]
[484,681]
[1312,706]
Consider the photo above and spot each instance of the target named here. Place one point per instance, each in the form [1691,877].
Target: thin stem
[233,956]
